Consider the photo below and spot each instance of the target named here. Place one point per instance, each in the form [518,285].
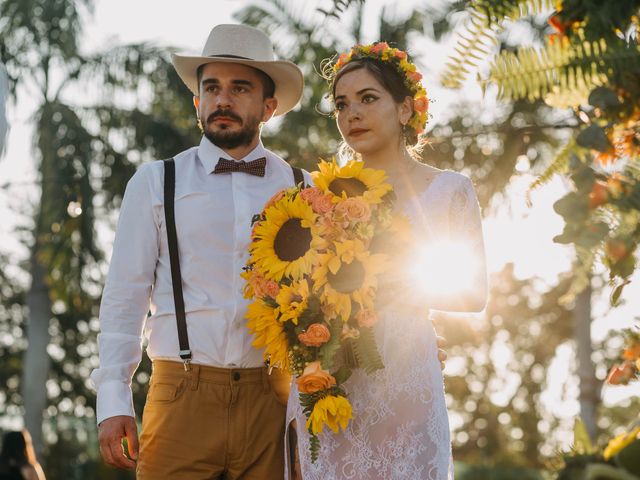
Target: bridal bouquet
[316,260]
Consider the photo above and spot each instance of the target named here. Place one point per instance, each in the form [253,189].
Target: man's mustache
[224,113]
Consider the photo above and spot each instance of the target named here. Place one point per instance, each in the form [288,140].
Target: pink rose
[414,76]
[310,194]
[271,288]
[353,210]
[401,55]
[379,47]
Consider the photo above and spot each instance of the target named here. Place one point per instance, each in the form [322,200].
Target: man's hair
[268,87]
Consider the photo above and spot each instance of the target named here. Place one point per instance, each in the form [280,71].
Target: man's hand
[442,354]
[111,432]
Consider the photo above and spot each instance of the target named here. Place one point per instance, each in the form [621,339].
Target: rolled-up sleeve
[126,298]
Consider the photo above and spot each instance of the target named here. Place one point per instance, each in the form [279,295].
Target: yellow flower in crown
[268,333]
[333,410]
[351,180]
[292,301]
[348,274]
[284,242]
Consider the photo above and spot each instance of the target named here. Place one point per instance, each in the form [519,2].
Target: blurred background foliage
[135,109]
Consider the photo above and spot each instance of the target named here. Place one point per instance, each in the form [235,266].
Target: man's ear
[270,105]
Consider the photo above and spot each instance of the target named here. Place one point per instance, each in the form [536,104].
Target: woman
[18,459]
[400,428]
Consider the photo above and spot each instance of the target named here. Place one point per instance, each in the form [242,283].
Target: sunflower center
[292,240]
[348,278]
[351,186]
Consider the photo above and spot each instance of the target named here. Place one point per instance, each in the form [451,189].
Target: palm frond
[573,69]
[480,35]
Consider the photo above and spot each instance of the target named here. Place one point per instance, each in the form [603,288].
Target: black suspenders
[172,238]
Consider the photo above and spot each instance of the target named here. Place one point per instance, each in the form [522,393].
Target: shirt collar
[209,154]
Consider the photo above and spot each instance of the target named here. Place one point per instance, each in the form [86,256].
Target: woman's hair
[17,449]
[394,83]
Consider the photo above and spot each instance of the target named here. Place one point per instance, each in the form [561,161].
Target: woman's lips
[356,132]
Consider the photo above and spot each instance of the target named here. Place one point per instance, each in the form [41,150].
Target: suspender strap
[298,177]
[176,278]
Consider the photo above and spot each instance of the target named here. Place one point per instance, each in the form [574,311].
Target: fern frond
[560,164]
[366,351]
[572,69]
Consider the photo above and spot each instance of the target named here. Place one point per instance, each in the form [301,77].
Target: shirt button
[236,376]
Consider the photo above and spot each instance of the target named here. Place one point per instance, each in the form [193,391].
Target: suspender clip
[185,355]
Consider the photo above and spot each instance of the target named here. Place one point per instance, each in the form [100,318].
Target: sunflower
[333,411]
[269,333]
[352,180]
[348,274]
[292,301]
[284,242]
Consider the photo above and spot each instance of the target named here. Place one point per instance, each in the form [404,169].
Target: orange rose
[621,374]
[598,195]
[401,55]
[353,210]
[316,335]
[379,47]
[314,379]
[632,353]
[415,77]
[366,318]
[421,104]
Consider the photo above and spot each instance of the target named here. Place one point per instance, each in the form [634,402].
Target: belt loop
[194,376]
[265,380]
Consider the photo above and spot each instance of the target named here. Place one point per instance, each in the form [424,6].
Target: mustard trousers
[213,423]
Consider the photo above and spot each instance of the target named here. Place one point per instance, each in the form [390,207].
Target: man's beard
[227,139]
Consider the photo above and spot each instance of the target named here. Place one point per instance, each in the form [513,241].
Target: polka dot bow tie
[254,167]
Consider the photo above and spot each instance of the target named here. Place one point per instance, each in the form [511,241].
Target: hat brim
[286,76]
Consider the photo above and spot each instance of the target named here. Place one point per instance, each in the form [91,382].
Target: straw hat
[247,46]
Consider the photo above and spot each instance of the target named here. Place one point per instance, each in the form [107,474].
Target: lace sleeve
[465,225]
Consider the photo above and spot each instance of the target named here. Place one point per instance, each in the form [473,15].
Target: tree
[86,148]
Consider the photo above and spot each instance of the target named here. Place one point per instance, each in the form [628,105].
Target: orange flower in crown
[412,78]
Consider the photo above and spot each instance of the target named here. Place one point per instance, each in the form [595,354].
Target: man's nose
[223,99]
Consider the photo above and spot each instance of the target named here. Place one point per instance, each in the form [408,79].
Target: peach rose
[348,332]
[401,55]
[271,288]
[310,194]
[322,204]
[273,200]
[316,335]
[353,210]
[314,379]
[421,104]
[366,318]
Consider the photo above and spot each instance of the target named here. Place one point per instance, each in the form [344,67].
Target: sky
[520,234]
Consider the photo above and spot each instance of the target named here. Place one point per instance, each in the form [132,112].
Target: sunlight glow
[444,268]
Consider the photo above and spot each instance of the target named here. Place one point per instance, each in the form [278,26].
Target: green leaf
[594,137]
[603,97]
[343,374]
[581,440]
[366,351]
[329,350]
[615,295]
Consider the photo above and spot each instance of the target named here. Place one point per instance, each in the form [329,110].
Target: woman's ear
[405,110]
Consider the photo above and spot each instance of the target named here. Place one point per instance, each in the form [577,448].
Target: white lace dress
[400,428]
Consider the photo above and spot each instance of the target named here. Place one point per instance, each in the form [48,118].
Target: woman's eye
[339,106]
[369,98]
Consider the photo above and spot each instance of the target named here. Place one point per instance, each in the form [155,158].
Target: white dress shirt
[213,214]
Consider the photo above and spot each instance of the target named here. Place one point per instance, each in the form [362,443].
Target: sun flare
[444,268]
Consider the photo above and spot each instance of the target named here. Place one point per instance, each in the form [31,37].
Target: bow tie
[254,167]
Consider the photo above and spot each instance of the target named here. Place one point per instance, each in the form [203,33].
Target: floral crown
[383,52]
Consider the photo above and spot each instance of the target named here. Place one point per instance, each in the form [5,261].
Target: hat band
[230,56]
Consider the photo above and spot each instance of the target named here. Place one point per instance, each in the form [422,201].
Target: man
[212,410]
